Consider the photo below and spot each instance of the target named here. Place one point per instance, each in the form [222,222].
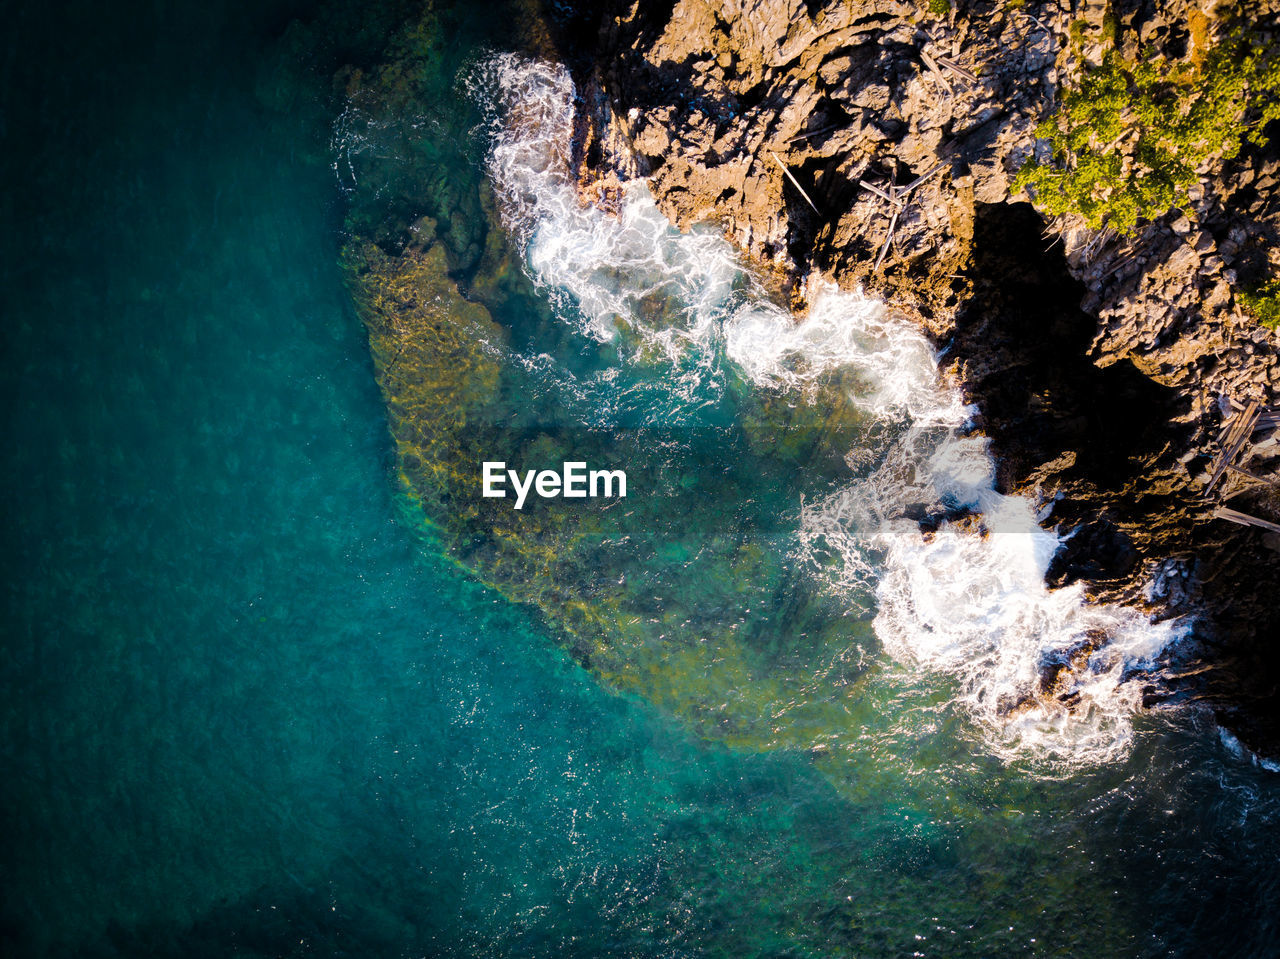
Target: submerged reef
[692,624]
[715,628]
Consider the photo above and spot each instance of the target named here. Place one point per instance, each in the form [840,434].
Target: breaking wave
[958,569]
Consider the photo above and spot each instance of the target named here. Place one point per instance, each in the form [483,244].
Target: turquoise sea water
[246,713]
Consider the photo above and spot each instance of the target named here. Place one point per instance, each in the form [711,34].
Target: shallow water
[248,711]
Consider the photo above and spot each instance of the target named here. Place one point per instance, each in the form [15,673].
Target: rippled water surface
[250,710]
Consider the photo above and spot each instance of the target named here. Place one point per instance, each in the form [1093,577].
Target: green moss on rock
[1132,138]
[1263,302]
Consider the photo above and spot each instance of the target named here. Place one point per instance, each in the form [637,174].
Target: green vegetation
[939,8]
[1264,303]
[1110,29]
[1128,141]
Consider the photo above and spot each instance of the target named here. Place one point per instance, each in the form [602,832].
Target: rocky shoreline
[878,143]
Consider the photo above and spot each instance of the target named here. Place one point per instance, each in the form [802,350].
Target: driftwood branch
[815,133]
[927,175]
[932,64]
[795,182]
[1244,519]
[893,225]
[1252,476]
[878,192]
[957,69]
[1240,430]
[896,196]
[1039,22]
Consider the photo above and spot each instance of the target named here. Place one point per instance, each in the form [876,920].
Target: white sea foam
[892,360]
[634,268]
[967,601]
[1242,752]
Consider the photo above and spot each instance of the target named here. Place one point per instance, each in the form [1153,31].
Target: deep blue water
[246,713]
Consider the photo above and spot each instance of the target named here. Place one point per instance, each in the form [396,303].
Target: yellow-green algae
[702,616]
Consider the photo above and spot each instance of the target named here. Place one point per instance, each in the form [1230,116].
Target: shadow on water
[1026,344]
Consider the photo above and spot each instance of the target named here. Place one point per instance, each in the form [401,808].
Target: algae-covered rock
[700,615]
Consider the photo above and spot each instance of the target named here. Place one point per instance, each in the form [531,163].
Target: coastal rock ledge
[878,142]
